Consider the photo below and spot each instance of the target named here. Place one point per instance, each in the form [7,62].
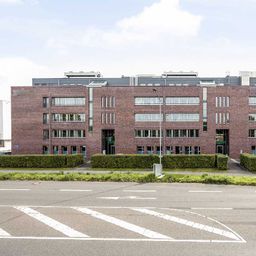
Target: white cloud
[161,21]
[161,18]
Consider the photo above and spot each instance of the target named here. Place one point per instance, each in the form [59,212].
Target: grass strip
[133,177]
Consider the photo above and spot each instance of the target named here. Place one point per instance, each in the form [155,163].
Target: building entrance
[108,141]
[222,141]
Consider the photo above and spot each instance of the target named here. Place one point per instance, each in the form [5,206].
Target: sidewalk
[234,170]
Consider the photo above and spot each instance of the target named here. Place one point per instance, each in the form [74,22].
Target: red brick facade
[27,118]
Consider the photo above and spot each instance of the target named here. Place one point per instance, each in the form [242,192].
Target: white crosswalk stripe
[122,223]
[188,223]
[4,233]
[64,229]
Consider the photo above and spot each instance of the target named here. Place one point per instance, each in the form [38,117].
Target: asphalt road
[76,218]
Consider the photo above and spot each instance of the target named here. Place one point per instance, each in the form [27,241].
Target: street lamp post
[158,168]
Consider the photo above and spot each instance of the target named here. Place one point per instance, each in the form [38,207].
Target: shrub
[123,161]
[222,162]
[248,161]
[40,161]
[74,160]
[189,161]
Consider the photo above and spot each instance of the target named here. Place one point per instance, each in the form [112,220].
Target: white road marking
[14,189]
[120,239]
[140,191]
[122,224]
[51,222]
[189,223]
[210,208]
[127,197]
[75,190]
[205,191]
[109,197]
[4,233]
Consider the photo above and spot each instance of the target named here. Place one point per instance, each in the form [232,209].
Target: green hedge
[222,162]
[169,161]
[189,161]
[40,161]
[123,161]
[248,161]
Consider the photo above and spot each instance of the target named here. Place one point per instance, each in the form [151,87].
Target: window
[45,134]
[68,133]
[64,150]
[150,150]
[108,118]
[222,102]
[252,117]
[252,133]
[77,101]
[158,150]
[188,150]
[197,150]
[108,102]
[90,109]
[45,118]
[148,100]
[148,117]
[253,150]
[178,150]
[45,102]
[140,149]
[205,127]
[182,117]
[73,150]
[1,143]
[56,117]
[182,100]
[55,150]
[147,133]
[252,101]
[169,150]
[45,150]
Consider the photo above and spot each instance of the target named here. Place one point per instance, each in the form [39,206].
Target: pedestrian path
[112,223]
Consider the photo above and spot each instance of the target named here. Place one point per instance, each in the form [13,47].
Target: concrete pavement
[77,218]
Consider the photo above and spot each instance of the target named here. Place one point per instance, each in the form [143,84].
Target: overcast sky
[44,38]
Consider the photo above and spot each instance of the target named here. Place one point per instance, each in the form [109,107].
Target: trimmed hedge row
[169,161]
[222,162]
[248,161]
[188,161]
[123,161]
[40,161]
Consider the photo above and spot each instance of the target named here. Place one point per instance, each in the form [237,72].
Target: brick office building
[86,113]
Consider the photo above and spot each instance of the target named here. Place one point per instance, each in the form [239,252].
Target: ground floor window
[64,150]
[45,150]
[140,149]
[55,150]
[253,150]
[73,150]
[169,150]
[150,150]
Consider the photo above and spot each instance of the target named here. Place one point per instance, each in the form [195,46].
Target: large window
[182,100]
[148,100]
[68,117]
[252,101]
[68,133]
[252,117]
[147,133]
[148,117]
[252,133]
[77,101]
[182,117]
[181,133]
